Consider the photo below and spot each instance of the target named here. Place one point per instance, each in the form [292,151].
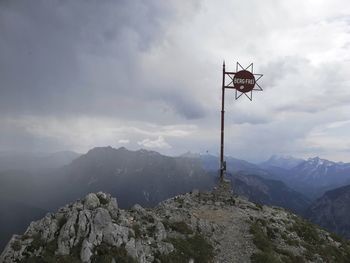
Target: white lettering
[243,81]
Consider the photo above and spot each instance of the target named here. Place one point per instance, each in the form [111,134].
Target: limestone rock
[91,201]
[201,226]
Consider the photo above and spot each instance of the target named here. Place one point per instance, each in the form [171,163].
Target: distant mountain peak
[110,149]
[103,148]
[190,154]
[317,161]
[281,156]
[148,152]
[282,161]
[316,158]
[120,148]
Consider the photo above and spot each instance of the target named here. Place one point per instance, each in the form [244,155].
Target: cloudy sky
[147,74]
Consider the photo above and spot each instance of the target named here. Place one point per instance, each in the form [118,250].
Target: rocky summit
[195,227]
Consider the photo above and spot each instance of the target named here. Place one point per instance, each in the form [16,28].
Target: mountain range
[143,177]
[281,161]
[312,177]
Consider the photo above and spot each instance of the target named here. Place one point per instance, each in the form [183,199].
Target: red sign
[244,81]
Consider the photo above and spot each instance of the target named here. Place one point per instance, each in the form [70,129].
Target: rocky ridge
[196,227]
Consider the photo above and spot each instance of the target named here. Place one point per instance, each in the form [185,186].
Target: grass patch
[149,218]
[337,238]
[105,254]
[179,226]
[264,257]
[292,242]
[61,222]
[36,243]
[137,230]
[306,231]
[271,232]
[103,201]
[315,245]
[196,248]
[263,237]
[16,246]
[179,200]
[151,230]
[260,238]
[48,255]
[258,206]
[333,254]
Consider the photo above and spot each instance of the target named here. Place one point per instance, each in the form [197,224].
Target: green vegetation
[290,241]
[196,248]
[306,231]
[262,242]
[61,222]
[102,254]
[103,201]
[289,257]
[105,254]
[271,232]
[257,207]
[179,226]
[264,257]
[36,243]
[53,259]
[24,237]
[48,255]
[151,230]
[16,246]
[137,229]
[263,237]
[315,246]
[337,238]
[149,218]
[179,200]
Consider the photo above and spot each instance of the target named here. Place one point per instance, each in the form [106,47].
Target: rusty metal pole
[222,125]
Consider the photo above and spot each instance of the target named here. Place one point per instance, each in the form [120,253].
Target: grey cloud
[62,56]
[84,57]
[186,106]
[277,69]
[254,118]
[158,63]
[15,138]
[310,88]
[317,104]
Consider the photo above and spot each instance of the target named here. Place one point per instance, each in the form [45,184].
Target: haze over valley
[147,178]
[117,119]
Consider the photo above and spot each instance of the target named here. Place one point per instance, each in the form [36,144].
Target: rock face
[332,211]
[196,227]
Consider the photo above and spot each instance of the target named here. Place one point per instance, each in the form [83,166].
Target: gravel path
[234,242]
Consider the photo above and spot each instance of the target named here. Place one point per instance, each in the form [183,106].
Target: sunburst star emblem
[243,81]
